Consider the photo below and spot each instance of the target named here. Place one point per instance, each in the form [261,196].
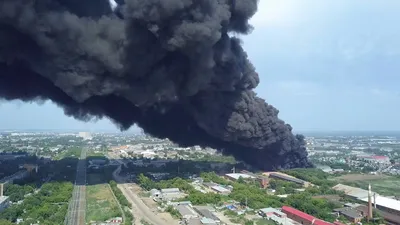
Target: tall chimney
[1,190]
[369,217]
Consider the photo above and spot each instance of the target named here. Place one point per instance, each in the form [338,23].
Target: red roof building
[321,222]
[302,217]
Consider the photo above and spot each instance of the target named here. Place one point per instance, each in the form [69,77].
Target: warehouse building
[383,203]
[277,216]
[285,177]
[171,194]
[302,217]
[356,193]
[236,176]
[353,215]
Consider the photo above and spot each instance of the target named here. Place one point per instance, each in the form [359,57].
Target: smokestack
[370,216]
[170,67]
[1,190]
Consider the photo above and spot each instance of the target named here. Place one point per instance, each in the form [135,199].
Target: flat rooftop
[385,202]
[236,176]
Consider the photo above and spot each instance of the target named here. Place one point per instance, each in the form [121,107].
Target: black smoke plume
[170,66]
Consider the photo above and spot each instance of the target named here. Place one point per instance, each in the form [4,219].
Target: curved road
[137,203]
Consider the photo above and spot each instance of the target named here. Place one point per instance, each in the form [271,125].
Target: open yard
[382,184]
[100,203]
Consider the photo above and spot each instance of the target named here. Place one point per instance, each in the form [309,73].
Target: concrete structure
[369,216]
[4,202]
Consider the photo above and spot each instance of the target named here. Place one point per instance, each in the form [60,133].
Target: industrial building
[302,217]
[352,214]
[217,188]
[171,194]
[383,203]
[277,216]
[285,177]
[206,212]
[356,193]
[236,176]
[186,212]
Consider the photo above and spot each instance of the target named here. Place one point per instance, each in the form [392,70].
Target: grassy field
[100,203]
[72,152]
[382,184]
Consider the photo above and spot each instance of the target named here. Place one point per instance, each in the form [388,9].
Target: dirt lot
[360,177]
[149,202]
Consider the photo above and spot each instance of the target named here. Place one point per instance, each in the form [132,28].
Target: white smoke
[113,4]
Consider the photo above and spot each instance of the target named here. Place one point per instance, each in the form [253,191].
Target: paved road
[142,210]
[77,206]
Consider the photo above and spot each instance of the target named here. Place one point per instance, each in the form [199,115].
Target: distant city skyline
[326,65]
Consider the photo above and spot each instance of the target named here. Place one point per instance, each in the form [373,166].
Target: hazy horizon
[327,66]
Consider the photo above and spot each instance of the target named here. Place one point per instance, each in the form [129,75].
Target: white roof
[220,189]
[237,175]
[385,202]
[352,191]
[170,190]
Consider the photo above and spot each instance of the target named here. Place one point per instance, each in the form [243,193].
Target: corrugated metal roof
[186,210]
[385,202]
[286,177]
[352,191]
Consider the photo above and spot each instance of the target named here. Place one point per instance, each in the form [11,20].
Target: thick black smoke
[169,66]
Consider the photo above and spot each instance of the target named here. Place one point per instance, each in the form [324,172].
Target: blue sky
[327,65]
